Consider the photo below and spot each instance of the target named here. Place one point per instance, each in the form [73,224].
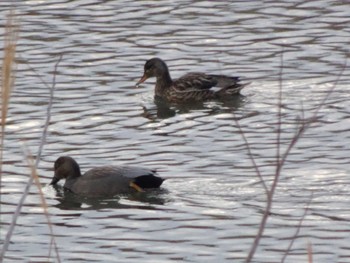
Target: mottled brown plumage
[190,87]
[105,180]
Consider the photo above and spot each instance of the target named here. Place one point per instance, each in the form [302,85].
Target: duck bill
[143,79]
[54,180]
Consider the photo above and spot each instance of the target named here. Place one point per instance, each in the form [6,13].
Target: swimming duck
[105,180]
[190,87]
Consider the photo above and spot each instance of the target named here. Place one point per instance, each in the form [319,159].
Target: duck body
[105,180]
[190,87]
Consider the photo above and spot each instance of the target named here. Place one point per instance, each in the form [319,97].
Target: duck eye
[149,67]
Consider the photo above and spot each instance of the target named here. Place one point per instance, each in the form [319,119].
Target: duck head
[65,167]
[154,67]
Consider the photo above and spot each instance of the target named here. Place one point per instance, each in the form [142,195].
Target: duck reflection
[162,109]
[144,200]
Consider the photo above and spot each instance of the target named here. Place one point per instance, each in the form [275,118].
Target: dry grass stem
[7,73]
[35,177]
[7,83]
[31,179]
[309,252]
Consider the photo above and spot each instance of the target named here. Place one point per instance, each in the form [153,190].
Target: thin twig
[279,113]
[30,181]
[271,191]
[301,220]
[35,176]
[48,86]
[48,113]
[314,117]
[304,125]
[250,154]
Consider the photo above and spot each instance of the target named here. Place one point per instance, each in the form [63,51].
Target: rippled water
[211,205]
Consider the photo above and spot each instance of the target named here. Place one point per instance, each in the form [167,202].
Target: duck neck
[163,83]
[72,178]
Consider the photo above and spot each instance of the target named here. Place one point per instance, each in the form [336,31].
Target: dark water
[211,205]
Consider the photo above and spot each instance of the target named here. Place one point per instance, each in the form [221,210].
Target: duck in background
[190,87]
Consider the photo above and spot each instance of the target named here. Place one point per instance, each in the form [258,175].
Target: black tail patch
[148,181]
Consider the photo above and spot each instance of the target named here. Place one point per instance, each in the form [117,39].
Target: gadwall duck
[105,180]
[190,87]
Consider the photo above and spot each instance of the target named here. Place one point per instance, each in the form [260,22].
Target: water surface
[211,204]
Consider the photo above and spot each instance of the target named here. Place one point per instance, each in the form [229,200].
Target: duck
[104,181]
[190,87]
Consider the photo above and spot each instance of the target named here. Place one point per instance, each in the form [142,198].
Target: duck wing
[199,81]
[226,82]
[194,81]
[142,177]
[112,180]
[130,172]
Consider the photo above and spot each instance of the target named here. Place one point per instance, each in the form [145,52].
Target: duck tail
[232,90]
[223,81]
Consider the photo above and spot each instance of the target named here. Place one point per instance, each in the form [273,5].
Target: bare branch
[35,176]
[298,229]
[48,113]
[30,181]
[270,193]
[250,154]
[304,125]
[279,113]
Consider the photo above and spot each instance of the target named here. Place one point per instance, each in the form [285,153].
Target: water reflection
[164,110]
[105,46]
[141,200]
